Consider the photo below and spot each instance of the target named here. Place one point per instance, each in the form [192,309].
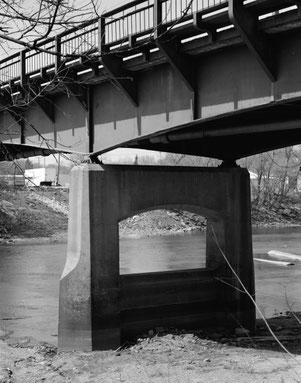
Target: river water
[29,275]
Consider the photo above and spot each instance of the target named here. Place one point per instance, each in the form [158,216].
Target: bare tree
[276,174]
[26,22]
[24,25]
[174,159]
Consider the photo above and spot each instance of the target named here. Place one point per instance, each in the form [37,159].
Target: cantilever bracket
[89,64]
[80,92]
[74,87]
[202,26]
[181,63]
[247,25]
[123,79]
[41,100]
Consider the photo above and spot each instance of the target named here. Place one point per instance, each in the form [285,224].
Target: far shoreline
[62,238]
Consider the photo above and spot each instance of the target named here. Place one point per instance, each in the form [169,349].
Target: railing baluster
[122,30]
[101,33]
[131,25]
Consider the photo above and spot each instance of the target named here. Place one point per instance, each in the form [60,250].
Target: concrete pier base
[98,307]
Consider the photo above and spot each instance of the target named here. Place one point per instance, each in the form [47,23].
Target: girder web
[13,109]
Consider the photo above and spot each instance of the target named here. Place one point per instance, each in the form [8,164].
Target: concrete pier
[99,308]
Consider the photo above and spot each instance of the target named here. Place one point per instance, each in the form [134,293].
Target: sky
[29,7]
[110,4]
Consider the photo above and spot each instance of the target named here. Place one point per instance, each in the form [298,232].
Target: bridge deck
[129,29]
[126,45]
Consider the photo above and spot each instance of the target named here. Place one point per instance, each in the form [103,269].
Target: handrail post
[158,28]
[58,54]
[22,66]
[102,35]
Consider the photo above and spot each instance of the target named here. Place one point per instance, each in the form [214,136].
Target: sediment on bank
[29,213]
[32,212]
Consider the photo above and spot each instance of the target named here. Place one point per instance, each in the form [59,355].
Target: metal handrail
[122,8]
[117,26]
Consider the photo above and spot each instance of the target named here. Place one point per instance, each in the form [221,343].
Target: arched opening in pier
[162,240]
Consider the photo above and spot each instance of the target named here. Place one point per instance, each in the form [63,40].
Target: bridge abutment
[99,308]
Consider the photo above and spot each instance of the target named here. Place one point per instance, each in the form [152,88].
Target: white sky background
[29,8]
[109,4]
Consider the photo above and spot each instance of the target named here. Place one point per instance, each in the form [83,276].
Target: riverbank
[162,356]
[33,214]
[41,215]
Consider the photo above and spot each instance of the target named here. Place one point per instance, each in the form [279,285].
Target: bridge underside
[227,85]
[213,94]
[231,136]
[228,136]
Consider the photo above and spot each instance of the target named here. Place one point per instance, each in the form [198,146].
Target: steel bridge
[206,77]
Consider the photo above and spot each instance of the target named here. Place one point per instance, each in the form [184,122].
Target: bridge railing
[80,41]
[35,60]
[173,10]
[138,19]
[129,20]
[10,68]
[133,19]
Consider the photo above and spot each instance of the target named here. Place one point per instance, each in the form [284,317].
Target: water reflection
[29,275]
[160,253]
[29,287]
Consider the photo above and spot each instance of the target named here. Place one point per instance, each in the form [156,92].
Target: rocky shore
[163,355]
[27,214]
[33,213]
